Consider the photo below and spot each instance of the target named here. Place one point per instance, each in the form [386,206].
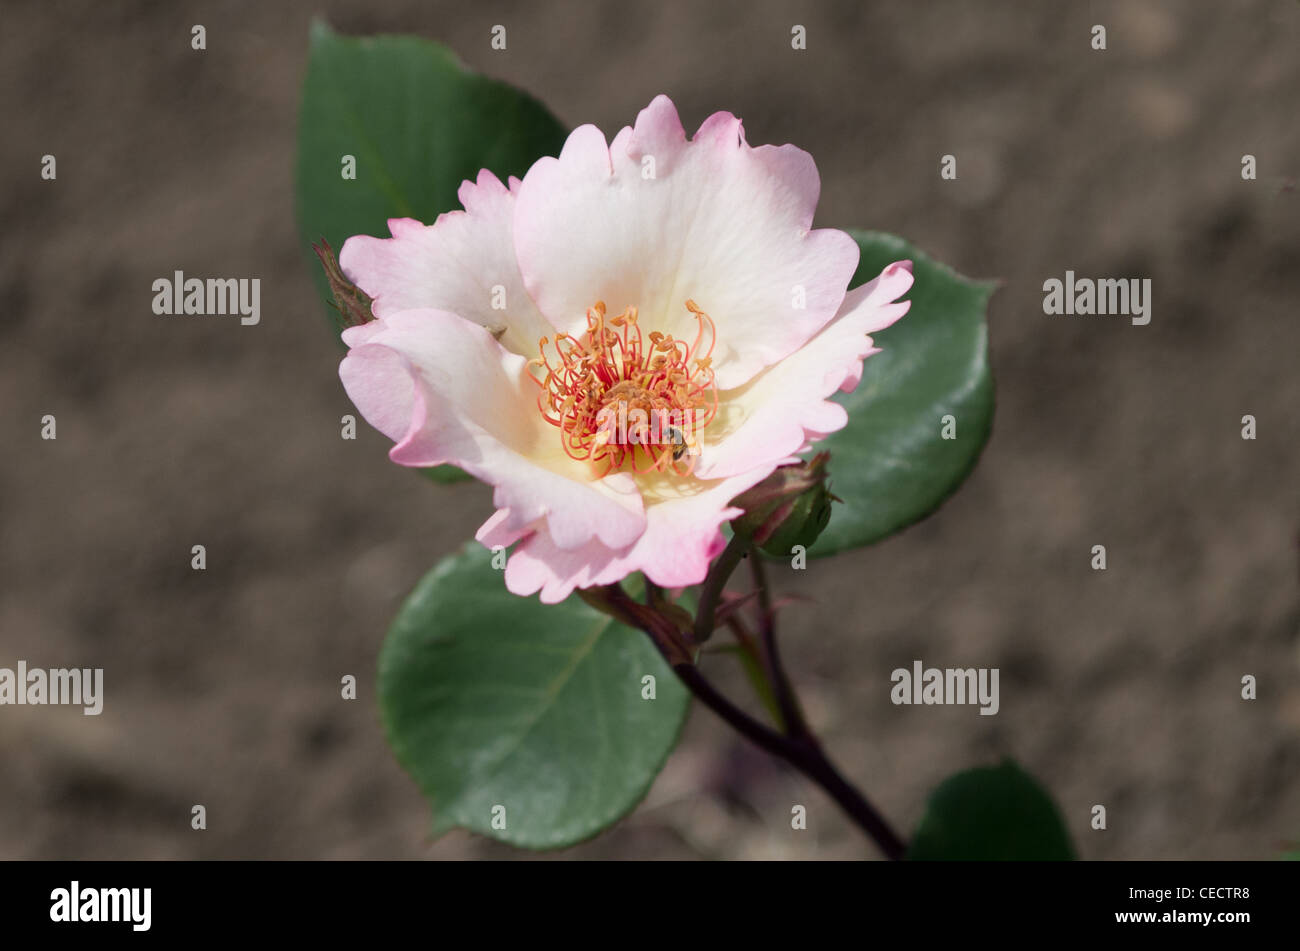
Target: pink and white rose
[654,273]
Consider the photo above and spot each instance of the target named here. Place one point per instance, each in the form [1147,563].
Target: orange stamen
[622,405]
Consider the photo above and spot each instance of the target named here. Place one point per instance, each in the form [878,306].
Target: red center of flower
[620,402]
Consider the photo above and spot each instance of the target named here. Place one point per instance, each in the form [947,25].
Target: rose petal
[463,263]
[448,393]
[783,409]
[682,537]
[719,222]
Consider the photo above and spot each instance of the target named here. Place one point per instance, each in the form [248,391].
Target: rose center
[622,402]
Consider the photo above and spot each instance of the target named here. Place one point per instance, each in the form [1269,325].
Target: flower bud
[808,517]
[790,507]
[351,303]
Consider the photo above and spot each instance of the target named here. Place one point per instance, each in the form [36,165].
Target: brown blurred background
[1119,687]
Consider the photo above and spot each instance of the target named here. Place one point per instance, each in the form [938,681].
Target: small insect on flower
[678,439]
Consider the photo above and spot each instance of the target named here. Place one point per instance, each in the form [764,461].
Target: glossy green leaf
[991,813]
[417,123]
[492,700]
[891,464]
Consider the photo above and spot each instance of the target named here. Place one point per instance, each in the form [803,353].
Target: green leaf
[495,700]
[891,464]
[757,678]
[418,123]
[444,475]
[991,813]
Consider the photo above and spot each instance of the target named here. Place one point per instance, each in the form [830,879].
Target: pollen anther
[621,404]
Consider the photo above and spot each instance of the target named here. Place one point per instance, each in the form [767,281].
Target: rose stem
[801,750]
